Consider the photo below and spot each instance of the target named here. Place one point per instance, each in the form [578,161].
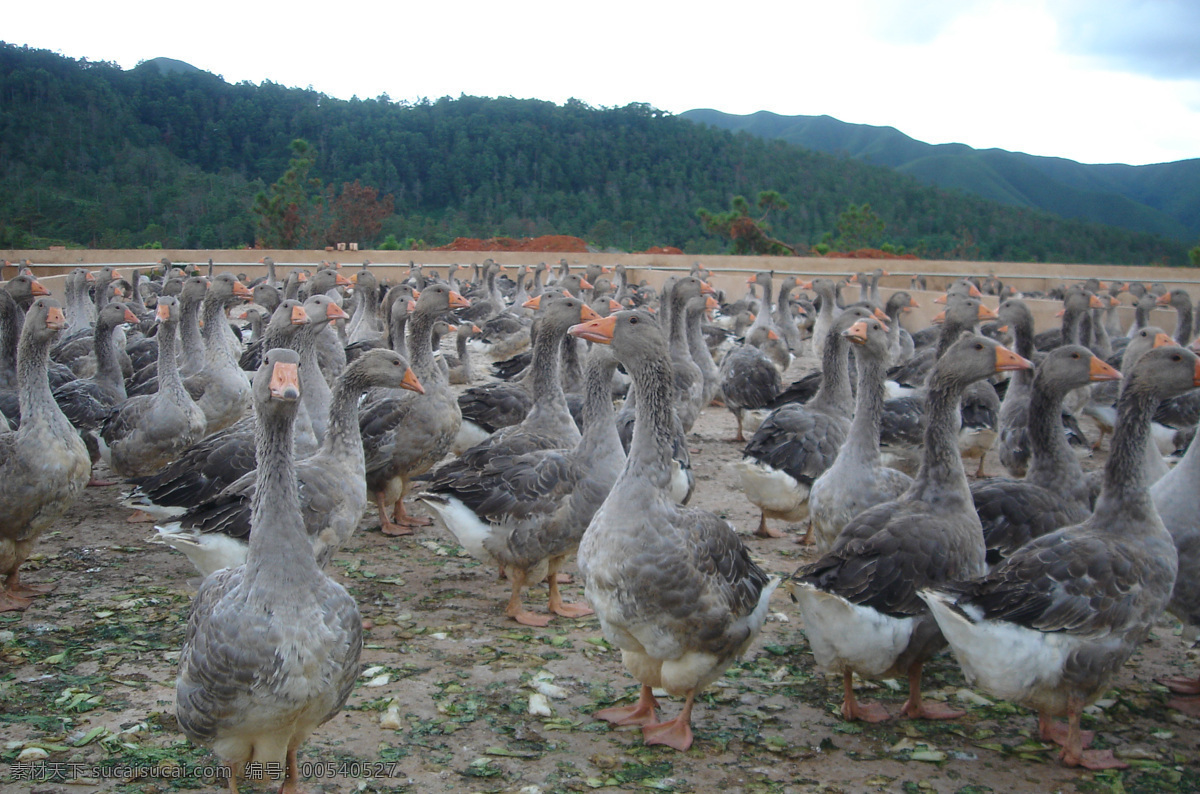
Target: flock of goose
[257,420]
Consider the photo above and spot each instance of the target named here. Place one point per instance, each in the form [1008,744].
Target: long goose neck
[679,321]
[215,349]
[1023,347]
[1126,484]
[189,329]
[169,380]
[862,444]
[399,335]
[342,436]
[544,365]
[33,384]
[696,344]
[1054,464]
[1183,324]
[834,391]
[108,369]
[653,441]
[941,466]
[9,337]
[572,367]
[599,424]
[421,347]
[279,546]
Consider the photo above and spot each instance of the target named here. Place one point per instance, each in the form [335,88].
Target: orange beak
[411,306]
[285,381]
[599,331]
[416,294]
[587,313]
[1163,300]
[857,333]
[117,273]
[475,329]
[1196,375]
[38,288]
[130,317]
[1095,302]
[55,319]
[1100,371]
[1006,360]
[1162,340]
[751,280]
[411,383]
[458,301]
[613,306]
[342,281]
[805,285]
[941,299]
[533,303]
[242,291]
[987,314]
[711,304]
[912,304]
[707,289]
[973,290]
[880,316]
[335,312]
[162,313]
[938,318]
[299,316]
[88,276]
[585,284]
[772,335]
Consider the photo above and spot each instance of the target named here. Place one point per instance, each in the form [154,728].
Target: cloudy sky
[1097,81]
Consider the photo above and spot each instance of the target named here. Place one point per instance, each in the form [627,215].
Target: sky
[1098,81]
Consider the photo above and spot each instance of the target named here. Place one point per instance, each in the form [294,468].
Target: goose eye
[1074,355]
[633,321]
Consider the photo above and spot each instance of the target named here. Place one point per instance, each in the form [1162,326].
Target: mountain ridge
[1158,198]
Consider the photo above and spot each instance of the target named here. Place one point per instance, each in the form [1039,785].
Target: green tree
[749,235]
[1194,256]
[289,212]
[858,227]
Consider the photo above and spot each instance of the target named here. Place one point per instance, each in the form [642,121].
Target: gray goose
[145,433]
[333,492]
[673,587]
[44,466]
[1177,497]
[404,436]
[220,388]
[214,462]
[1055,491]
[1051,625]
[798,442]
[272,646]
[859,601]
[527,512]
[857,478]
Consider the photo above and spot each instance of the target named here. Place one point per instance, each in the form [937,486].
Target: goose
[214,462]
[44,466]
[1179,300]
[797,443]
[859,601]
[1177,498]
[857,479]
[145,433]
[689,379]
[1012,424]
[272,646]
[365,323]
[527,512]
[333,492]
[749,382]
[1050,626]
[1055,491]
[406,436]
[220,388]
[673,587]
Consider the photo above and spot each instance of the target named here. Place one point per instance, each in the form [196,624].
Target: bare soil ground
[87,674]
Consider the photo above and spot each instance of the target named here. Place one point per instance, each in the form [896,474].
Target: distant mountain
[167,66]
[1160,199]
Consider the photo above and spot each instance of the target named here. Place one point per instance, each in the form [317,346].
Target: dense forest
[94,155]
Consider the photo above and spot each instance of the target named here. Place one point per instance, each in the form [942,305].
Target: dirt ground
[87,675]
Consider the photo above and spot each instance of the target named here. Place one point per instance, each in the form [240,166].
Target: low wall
[729,272]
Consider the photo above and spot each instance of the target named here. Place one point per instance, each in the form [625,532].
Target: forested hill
[1163,198]
[94,155]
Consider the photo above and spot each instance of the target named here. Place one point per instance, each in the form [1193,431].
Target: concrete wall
[729,272]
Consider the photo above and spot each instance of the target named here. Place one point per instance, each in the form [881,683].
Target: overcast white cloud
[1091,80]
